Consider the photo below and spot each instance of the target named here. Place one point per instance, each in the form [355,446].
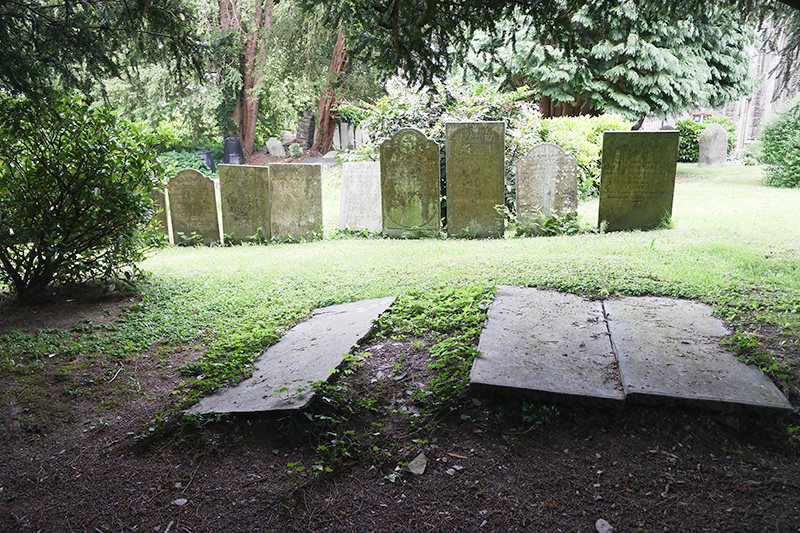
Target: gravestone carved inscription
[193,206]
[409,173]
[547,184]
[244,191]
[295,193]
[637,181]
[360,205]
[475,156]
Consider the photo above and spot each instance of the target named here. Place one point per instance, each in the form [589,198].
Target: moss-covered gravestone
[475,153]
[295,192]
[360,205]
[409,171]
[193,206]
[637,179]
[547,184]
[245,202]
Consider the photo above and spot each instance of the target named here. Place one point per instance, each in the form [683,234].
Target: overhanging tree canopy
[75,43]
[425,39]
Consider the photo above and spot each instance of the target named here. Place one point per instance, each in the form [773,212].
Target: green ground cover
[734,244]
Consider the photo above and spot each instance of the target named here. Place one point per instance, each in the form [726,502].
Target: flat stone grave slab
[637,349]
[669,352]
[305,355]
[549,343]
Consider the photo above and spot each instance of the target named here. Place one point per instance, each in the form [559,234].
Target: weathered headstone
[275,148]
[295,193]
[160,209]
[713,146]
[409,174]
[360,205]
[475,154]
[244,190]
[547,184]
[637,179]
[305,130]
[193,206]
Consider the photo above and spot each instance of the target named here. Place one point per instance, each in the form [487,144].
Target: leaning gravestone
[409,174]
[475,155]
[637,179]
[275,148]
[547,184]
[713,146]
[295,194]
[360,205]
[193,206]
[244,190]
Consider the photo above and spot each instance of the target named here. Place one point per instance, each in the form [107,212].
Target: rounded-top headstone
[713,146]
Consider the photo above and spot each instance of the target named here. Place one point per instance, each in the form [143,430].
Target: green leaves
[76,185]
[780,141]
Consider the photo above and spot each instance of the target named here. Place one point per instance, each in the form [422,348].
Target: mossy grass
[733,244]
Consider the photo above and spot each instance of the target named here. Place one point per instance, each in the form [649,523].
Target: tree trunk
[639,122]
[253,59]
[323,136]
[245,113]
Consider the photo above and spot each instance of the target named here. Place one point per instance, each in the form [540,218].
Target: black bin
[233,154]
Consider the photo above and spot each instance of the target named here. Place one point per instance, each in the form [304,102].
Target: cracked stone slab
[669,352]
[306,354]
[549,344]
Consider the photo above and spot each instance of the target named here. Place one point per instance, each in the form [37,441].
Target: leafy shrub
[780,142]
[175,161]
[752,154]
[580,136]
[689,149]
[76,188]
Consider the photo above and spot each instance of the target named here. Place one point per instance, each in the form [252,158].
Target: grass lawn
[734,245]
[90,410]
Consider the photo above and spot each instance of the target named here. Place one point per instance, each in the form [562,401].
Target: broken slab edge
[615,401]
[709,404]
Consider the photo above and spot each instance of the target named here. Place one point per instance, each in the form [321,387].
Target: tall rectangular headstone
[547,184]
[360,204]
[410,187]
[713,151]
[295,193]
[637,179]
[244,190]
[474,164]
[193,206]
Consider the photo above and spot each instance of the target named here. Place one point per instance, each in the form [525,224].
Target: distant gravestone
[360,205]
[193,206]
[409,173]
[244,191]
[547,184]
[160,209]
[275,148]
[637,179]
[295,193]
[475,154]
[713,146]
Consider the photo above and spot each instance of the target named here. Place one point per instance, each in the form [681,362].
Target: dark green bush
[780,143]
[689,150]
[76,186]
[177,160]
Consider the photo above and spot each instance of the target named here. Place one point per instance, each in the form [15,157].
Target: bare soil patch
[494,463]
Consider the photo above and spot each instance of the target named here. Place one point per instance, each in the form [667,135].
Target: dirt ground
[493,463]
